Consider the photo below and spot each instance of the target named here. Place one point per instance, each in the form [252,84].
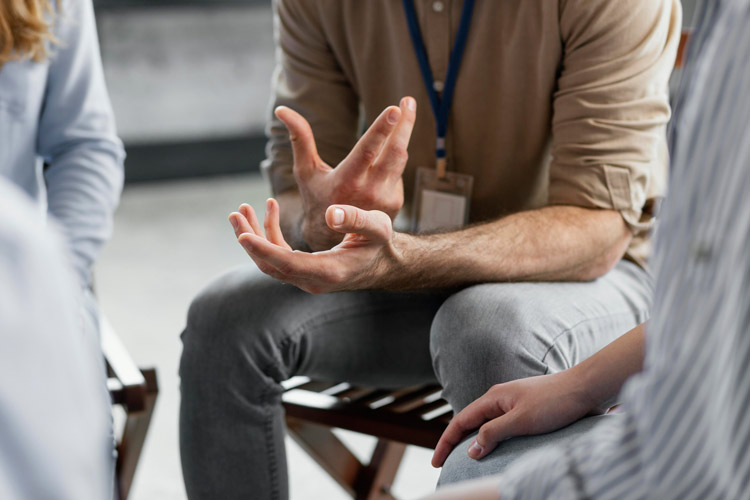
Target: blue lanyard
[440,107]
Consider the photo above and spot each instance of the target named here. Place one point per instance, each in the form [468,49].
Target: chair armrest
[126,383]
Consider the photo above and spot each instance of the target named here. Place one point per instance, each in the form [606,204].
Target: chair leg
[362,482]
[328,451]
[376,480]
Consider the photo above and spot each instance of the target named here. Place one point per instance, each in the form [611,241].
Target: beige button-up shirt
[557,102]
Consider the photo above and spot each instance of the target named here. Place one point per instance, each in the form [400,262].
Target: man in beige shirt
[558,116]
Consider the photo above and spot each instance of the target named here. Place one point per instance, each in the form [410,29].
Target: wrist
[400,247]
[587,382]
[392,268]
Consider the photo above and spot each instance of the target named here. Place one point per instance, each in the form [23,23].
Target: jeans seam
[272,459]
[555,340]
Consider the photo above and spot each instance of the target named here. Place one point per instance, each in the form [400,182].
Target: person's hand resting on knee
[546,403]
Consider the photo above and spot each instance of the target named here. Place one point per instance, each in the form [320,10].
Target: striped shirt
[686,429]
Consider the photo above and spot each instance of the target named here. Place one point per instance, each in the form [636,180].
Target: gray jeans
[459,467]
[247,333]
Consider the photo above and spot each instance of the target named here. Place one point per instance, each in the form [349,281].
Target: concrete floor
[170,240]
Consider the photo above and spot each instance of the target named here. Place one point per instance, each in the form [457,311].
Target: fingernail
[268,205]
[338,217]
[475,451]
[234,223]
[411,103]
[392,116]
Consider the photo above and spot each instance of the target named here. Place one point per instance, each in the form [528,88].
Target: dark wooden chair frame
[411,416]
[135,391]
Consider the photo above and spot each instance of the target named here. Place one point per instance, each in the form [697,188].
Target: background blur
[189,81]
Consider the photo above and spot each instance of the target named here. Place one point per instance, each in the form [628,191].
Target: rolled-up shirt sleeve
[78,139]
[611,106]
[309,80]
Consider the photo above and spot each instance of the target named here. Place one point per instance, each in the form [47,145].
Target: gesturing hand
[534,405]
[369,177]
[364,254]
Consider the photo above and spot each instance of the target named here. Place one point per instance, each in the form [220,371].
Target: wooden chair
[133,390]
[411,416]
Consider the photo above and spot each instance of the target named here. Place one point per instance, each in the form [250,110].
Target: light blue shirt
[55,441]
[59,112]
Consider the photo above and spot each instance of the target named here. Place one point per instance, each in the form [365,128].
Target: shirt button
[438,86]
[438,6]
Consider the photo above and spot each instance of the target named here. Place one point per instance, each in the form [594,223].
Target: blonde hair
[26,29]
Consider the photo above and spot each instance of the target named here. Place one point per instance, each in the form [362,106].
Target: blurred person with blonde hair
[57,130]
[58,142]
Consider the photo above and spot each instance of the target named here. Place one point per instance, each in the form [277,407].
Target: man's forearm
[558,243]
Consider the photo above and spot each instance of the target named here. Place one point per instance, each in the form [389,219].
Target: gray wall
[194,75]
[187,73]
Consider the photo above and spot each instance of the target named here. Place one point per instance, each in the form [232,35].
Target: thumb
[373,224]
[490,434]
[301,135]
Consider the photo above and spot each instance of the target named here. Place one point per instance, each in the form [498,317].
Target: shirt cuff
[605,187]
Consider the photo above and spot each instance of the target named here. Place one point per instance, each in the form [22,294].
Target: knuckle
[400,154]
[391,207]
[368,199]
[286,268]
[484,435]
[334,276]
[298,137]
[360,220]
[269,270]
[369,154]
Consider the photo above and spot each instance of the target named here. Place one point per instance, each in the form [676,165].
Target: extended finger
[490,434]
[373,224]
[301,136]
[289,263]
[249,213]
[265,267]
[240,224]
[465,422]
[392,159]
[271,224]
[371,143]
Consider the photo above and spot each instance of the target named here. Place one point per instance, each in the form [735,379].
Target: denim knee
[479,338]
[230,333]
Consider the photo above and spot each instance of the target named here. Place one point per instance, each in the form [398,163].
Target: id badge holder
[441,203]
